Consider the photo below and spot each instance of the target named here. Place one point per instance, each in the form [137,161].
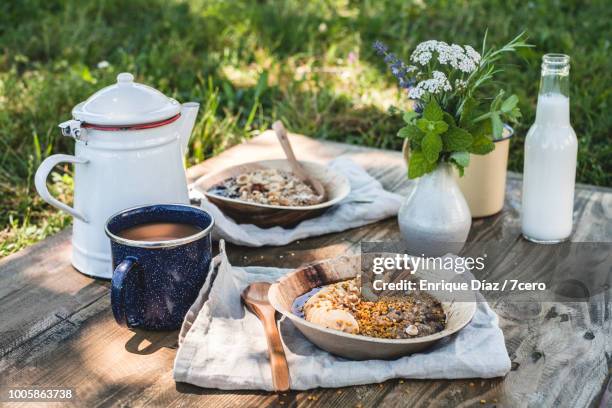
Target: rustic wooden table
[57,329]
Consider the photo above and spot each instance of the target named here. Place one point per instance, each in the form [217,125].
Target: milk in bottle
[550,158]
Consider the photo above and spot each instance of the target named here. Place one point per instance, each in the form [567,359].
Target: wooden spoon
[297,168]
[255,297]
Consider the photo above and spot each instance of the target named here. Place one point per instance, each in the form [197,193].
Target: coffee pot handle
[119,287]
[40,181]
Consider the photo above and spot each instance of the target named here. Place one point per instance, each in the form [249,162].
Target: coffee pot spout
[189,112]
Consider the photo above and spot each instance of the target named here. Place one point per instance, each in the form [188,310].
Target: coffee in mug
[159,231]
[161,255]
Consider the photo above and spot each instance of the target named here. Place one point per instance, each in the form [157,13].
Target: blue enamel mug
[157,277]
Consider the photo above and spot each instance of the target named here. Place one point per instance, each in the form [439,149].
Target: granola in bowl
[339,306]
[267,186]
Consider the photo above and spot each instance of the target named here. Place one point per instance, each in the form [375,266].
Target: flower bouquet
[457,112]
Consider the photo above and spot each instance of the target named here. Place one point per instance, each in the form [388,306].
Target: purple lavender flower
[380,48]
[418,106]
[400,70]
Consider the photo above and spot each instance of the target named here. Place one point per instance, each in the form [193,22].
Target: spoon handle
[278,360]
[281,134]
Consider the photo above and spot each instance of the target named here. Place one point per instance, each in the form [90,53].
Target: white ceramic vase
[435,219]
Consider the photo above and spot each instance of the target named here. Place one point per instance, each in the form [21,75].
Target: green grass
[307,62]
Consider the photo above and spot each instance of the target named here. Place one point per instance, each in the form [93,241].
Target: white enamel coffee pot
[130,141]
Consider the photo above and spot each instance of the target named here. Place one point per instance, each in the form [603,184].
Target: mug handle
[118,288]
[40,181]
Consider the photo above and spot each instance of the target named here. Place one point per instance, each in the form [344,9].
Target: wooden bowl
[357,347]
[337,187]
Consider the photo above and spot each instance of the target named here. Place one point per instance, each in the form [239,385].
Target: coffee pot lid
[126,103]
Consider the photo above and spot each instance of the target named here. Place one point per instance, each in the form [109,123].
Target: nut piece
[411,330]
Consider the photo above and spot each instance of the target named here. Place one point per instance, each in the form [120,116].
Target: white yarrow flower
[472,53]
[460,58]
[465,59]
[422,54]
[440,82]
[435,85]
[415,92]
[422,58]
[460,84]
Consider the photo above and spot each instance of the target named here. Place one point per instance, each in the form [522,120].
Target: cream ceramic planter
[484,181]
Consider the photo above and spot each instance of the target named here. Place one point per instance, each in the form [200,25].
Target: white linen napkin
[367,202]
[222,345]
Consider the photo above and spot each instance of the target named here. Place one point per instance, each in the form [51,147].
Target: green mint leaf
[431,145]
[432,126]
[461,158]
[415,144]
[481,129]
[410,116]
[469,111]
[411,132]
[456,140]
[425,125]
[513,116]
[497,126]
[433,111]
[440,127]
[418,165]
[449,120]
[482,145]
[509,104]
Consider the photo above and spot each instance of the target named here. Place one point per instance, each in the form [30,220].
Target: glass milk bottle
[550,158]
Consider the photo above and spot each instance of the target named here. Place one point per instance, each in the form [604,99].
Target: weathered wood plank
[39,290]
[558,352]
[56,328]
[557,362]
